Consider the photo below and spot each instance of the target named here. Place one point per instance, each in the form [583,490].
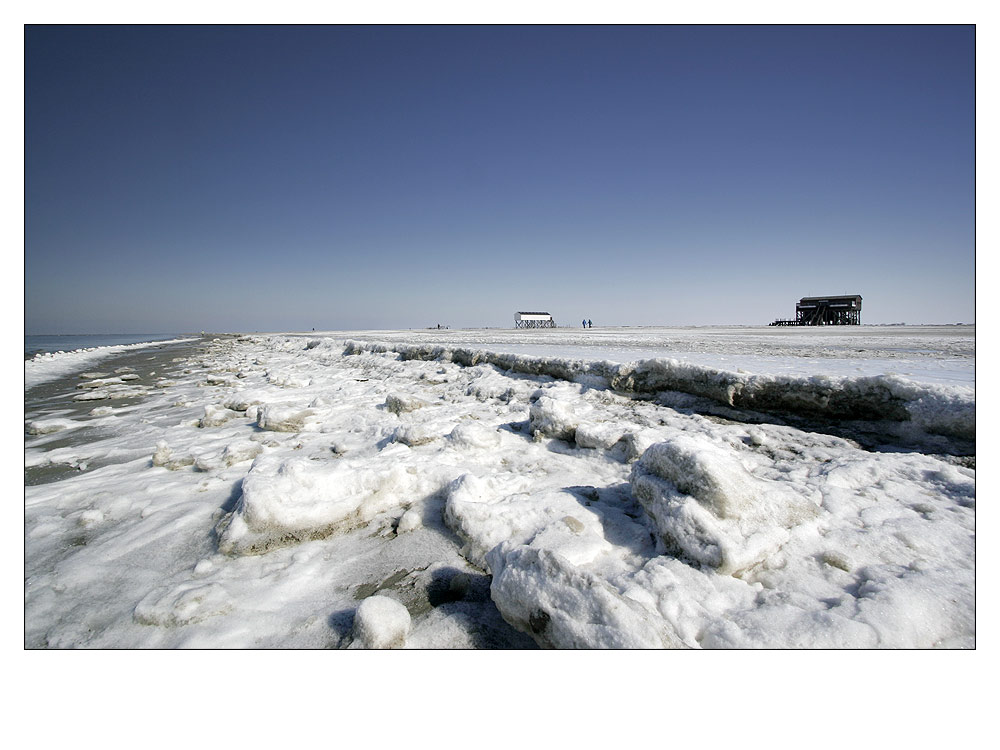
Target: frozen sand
[260,489]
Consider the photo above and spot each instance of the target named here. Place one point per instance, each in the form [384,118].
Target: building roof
[831,297]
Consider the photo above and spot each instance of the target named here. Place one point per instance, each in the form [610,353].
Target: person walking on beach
[584,322]
[590,323]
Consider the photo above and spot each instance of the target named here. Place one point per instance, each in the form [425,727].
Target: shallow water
[55,398]
[72,342]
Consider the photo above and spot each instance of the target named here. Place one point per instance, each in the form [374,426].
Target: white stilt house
[533,320]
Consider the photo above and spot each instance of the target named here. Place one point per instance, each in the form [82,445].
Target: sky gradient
[262,178]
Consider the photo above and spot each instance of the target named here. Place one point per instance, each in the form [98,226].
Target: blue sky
[261,178]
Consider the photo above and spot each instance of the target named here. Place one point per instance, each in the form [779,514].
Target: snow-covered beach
[600,488]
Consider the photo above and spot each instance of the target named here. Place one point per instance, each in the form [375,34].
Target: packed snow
[487,489]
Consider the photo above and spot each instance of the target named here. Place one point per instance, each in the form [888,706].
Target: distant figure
[590,323]
[584,322]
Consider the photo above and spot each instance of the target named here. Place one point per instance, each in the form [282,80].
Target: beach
[607,488]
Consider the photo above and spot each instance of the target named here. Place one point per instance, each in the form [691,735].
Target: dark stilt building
[826,311]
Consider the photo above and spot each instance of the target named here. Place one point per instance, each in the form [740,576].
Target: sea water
[72,342]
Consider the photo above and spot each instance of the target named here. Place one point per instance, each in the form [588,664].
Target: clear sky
[261,178]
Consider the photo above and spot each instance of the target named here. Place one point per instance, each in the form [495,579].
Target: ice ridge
[937,409]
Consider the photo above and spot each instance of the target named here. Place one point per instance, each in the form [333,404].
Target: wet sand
[55,398]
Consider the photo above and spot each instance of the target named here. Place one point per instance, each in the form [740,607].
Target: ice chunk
[553,418]
[282,418]
[126,393]
[706,505]
[563,606]
[241,450]
[636,442]
[243,400]
[289,379]
[381,622]
[484,513]
[45,426]
[99,383]
[410,520]
[285,501]
[414,435]
[474,435]
[162,454]
[398,403]
[164,457]
[215,416]
[92,396]
[601,435]
[703,470]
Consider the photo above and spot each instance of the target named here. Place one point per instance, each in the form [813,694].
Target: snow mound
[562,606]
[706,505]
[289,500]
[381,622]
